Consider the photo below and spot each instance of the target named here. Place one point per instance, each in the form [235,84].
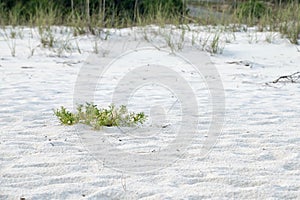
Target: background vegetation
[107,13]
[89,15]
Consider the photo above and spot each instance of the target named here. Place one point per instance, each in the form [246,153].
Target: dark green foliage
[252,9]
[116,10]
[97,118]
[170,7]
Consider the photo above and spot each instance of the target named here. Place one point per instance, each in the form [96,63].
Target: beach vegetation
[95,117]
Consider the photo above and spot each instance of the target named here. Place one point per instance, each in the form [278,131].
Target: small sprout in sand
[91,115]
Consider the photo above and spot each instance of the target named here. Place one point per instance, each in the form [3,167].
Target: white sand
[256,156]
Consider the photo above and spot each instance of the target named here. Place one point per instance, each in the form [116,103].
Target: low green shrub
[66,117]
[91,115]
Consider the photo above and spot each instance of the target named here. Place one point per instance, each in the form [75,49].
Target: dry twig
[293,78]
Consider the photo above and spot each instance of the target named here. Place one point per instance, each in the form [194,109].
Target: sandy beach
[255,155]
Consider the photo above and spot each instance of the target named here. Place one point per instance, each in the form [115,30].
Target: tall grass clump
[289,21]
[281,16]
[251,11]
[44,14]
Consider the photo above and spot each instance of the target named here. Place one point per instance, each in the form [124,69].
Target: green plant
[252,37]
[215,44]
[77,47]
[174,39]
[287,21]
[293,32]
[252,9]
[44,13]
[64,45]
[86,15]
[96,47]
[270,37]
[11,41]
[46,36]
[65,116]
[91,115]
[15,15]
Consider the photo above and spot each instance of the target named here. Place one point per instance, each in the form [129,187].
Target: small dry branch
[293,78]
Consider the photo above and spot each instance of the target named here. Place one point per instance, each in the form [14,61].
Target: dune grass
[283,18]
